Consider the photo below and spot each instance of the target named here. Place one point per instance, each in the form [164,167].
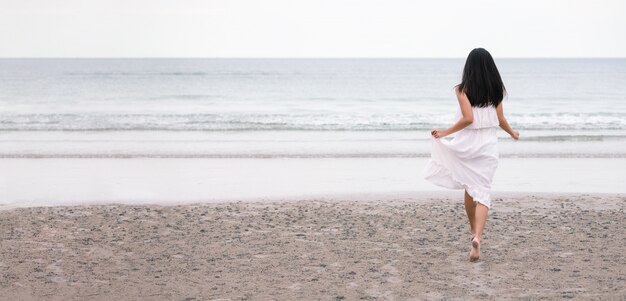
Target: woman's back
[484,117]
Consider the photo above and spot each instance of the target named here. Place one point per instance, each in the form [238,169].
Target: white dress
[469,160]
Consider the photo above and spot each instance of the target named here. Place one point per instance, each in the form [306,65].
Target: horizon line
[294,57]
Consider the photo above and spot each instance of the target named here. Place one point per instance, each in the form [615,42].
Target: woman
[469,160]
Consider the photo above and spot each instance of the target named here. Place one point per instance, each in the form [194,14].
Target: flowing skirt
[468,161]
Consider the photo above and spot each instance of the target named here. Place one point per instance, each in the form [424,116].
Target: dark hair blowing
[481,80]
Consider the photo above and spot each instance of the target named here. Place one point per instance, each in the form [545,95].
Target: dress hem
[476,194]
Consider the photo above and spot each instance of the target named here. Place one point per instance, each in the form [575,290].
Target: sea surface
[272,108]
[76,131]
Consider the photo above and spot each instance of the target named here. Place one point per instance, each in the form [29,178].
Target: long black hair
[481,80]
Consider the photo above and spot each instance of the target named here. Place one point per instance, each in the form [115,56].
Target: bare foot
[475,252]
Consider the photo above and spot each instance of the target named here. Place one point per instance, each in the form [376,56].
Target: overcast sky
[311,28]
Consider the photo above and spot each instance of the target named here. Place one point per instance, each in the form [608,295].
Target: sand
[534,247]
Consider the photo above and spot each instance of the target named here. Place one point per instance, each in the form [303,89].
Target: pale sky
[311,28]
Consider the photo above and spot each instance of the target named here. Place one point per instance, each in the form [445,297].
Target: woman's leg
[470,209]
[480,219]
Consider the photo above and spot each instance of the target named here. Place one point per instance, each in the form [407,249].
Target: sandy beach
[535,246]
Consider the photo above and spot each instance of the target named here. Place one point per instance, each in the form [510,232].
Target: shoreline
[535,246]
[417,197]
[38,182]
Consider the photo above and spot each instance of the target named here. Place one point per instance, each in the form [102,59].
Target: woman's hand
[515,135]
[439,133]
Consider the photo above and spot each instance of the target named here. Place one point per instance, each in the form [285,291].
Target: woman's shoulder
[458,91]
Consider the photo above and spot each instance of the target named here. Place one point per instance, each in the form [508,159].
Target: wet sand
[535,246]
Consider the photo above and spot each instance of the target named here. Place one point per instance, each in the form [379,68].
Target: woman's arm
[504,124]
[463,122]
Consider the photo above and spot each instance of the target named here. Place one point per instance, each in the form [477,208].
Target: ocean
[142,130]
[296,107]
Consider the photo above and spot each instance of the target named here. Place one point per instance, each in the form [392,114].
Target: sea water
[367,120]
[297,107]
